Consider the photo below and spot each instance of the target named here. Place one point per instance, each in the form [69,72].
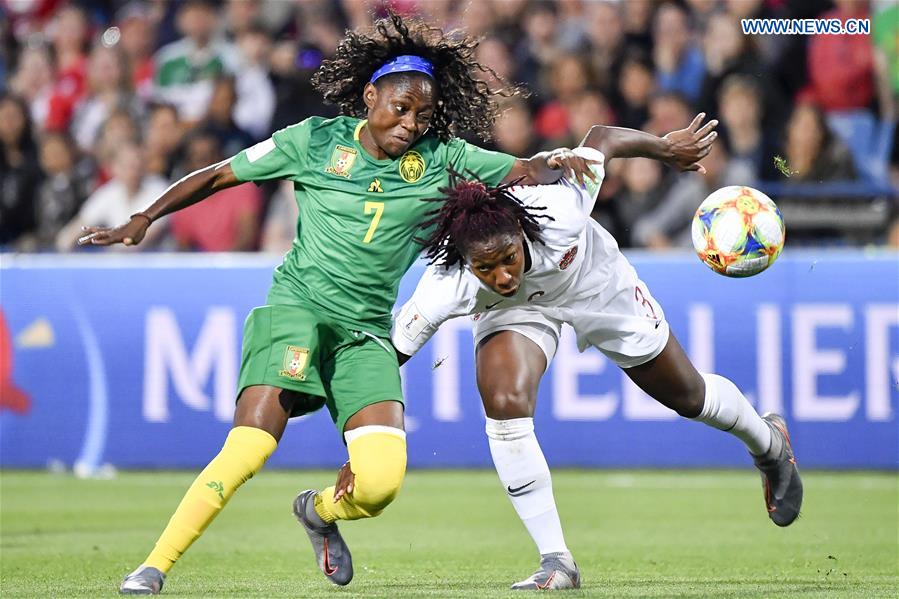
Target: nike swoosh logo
[518,490]
[326,566]
[491,306]
[658,322]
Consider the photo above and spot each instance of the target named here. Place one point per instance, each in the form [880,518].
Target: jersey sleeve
[490,167]
[282,156]
[588,193]
[440,295]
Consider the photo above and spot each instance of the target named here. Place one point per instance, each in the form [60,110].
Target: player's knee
[503,404]
[375,488]
[378,458]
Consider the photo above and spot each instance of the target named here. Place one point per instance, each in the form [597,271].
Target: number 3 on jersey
[378,209]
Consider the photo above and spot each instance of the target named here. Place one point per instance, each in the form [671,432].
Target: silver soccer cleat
[780,476]
[143,581]
[557,571]
[331,553]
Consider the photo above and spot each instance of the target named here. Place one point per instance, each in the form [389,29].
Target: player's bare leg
[377,447]
[259,422]
[671,379]
[509,369]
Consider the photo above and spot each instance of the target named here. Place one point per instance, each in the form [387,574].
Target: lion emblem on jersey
[568,258]
[341,161]
[412,166]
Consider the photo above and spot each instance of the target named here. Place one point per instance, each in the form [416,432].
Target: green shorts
[292,347]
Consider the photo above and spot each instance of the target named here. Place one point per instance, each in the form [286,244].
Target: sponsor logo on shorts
[294,364]
[568,258]
[341,161]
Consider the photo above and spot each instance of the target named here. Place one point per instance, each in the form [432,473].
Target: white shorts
[623,321]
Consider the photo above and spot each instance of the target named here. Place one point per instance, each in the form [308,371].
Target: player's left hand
[344,484]
[572,166]
[692,144]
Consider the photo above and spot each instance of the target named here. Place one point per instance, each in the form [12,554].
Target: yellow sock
[378,460]
[242,456]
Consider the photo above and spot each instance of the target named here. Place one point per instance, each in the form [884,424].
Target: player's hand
[131,233]
[572,166]
[692,144]
[344,484]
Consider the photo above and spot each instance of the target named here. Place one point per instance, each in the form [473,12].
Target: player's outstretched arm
[682,149]
[544,168]
[189,190]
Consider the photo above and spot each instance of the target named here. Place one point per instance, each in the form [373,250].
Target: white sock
[524,473]
[727,409]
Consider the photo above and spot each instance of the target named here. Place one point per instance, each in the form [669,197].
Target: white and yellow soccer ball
[738,231]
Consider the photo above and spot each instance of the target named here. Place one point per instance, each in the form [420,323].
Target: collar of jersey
[365,155]
[368,157]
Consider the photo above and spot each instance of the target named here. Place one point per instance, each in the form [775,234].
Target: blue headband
[404,64]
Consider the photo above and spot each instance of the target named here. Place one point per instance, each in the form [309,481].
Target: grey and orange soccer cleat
[780,476]
[331,553]
[143,581]
[557,571]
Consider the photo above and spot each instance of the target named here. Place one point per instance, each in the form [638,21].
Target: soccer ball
[738,231]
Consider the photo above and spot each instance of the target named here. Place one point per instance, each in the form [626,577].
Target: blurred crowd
[105,102]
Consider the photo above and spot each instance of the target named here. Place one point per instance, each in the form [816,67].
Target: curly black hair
[470,211]
[466,104]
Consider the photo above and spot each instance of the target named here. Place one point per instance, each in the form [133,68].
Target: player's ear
[370,95]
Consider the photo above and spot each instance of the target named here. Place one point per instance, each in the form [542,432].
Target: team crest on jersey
[341,161]
[476,317]
[294,364]
[412,166]
[568,258]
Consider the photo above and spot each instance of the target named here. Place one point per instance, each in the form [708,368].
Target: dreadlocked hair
[470,211]
[464,102]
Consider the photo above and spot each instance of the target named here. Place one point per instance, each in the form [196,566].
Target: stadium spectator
[240,16]
[668,111]
[69,31]
[567,76]
[740,107]
[638,22]
[606,51]
[138,33]
[255,92]
[678,60]
[636,85]
[19,172]
[67,182]
[33,82]
[668,224]
[584,111]
[537,49]
[493,52]
[514,131]
[120,129]
[641,192]
[186,69]
[813,153]
[220,118]
[228,222]
[108,89]
[130,190]
[162,139]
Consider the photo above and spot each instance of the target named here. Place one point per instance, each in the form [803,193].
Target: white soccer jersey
[576,261]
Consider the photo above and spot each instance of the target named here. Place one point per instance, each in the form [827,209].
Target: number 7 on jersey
[378,208]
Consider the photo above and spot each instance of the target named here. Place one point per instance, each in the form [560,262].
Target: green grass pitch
[454,534]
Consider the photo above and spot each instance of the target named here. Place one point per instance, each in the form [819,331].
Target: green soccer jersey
[358,215]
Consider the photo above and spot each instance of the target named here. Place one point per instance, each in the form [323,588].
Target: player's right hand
[131,233]
[344,484]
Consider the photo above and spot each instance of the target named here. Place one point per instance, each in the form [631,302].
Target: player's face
[498,262]
[399,112]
